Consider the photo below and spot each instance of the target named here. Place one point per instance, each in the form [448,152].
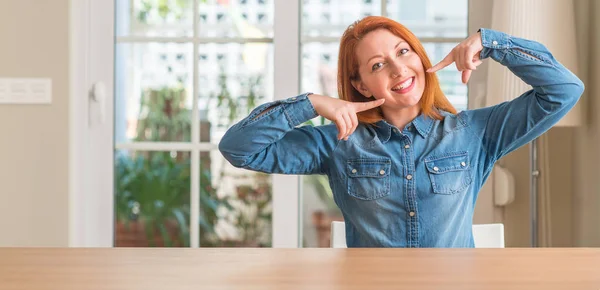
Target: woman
[404,166]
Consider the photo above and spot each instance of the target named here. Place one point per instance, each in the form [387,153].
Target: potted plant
[153,188]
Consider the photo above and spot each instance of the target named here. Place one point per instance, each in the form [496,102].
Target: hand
[465,55]
[341,112]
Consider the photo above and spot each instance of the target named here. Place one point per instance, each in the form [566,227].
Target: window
[185,72]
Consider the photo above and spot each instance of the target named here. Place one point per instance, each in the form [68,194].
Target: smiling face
[389,69]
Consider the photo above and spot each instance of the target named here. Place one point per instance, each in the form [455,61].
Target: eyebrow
[379,55]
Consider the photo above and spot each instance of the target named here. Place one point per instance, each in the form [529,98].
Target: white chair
[485,235]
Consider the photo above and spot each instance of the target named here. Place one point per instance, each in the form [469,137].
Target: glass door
[185,71]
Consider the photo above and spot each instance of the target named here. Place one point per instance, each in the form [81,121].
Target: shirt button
[293,99]
[436,168]
[463,164]
[396,131]
[354,170]
[494,42]
[406,146]
[382,172]
[409,177]
[412,213]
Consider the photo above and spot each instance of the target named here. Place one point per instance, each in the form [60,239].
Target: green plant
[234,107]
[163,116]
[251,208]
[163,8]
[153,188]
[253,213]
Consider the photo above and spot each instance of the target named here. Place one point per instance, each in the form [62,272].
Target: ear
[360,87]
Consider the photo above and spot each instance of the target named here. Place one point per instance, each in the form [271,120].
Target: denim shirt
[414,186]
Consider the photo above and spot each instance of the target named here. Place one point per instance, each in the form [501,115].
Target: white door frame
[287,196]
[91,124]
[91,152]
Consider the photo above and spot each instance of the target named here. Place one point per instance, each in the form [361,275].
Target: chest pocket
[450,173]
[368,178]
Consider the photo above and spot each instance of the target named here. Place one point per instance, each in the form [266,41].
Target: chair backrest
[338,235]
[488,235]
[485,235]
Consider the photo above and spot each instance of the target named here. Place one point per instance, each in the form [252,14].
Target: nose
[398,68]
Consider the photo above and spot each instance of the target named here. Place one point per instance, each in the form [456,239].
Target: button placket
[410,186]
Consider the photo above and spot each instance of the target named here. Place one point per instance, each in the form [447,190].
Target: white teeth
[403,85]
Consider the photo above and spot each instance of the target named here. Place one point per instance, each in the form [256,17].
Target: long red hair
[433,98]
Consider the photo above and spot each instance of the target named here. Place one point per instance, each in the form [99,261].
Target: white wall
[34,138]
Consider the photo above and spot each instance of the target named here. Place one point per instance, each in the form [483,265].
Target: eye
[403,51]
[376,66]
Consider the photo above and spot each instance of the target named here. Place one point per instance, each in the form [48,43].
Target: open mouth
[405,86]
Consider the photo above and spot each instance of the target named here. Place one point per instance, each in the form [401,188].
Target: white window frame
[91,210]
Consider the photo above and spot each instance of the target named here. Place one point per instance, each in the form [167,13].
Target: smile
[404,86]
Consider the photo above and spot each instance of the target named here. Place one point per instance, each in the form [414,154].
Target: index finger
[442,64]
[368,105]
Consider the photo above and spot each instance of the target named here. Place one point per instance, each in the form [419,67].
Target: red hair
[433,98]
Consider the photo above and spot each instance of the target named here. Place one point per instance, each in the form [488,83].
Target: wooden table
[166,269]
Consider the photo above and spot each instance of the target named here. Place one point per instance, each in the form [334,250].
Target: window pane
[170,18]
[233,80]
[319,68]
[332,17]
[431,18]
[153,92]
[450,77]
[236,205]
[152,202]
[236,18]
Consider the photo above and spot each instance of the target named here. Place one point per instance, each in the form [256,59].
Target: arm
[268,140]
[555,90]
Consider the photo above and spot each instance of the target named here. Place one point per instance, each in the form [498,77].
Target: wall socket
[25,91]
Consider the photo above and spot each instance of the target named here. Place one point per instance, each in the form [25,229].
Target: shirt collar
[422,124]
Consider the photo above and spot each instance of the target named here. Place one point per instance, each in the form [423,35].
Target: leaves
[164,9]
[154,187]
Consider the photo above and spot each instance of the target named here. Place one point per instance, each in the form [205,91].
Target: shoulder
[452,122]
